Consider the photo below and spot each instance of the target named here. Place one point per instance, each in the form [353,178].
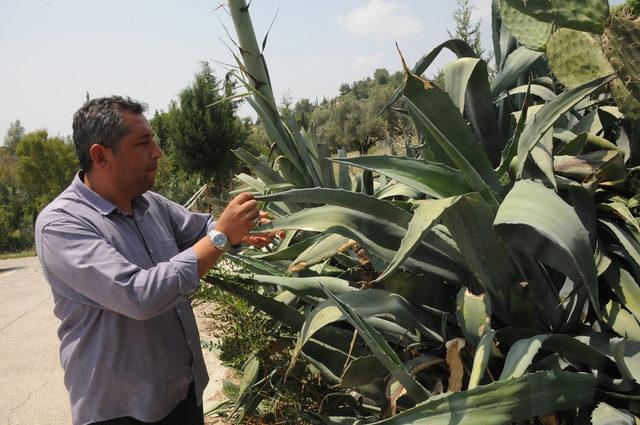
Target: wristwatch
[219,240]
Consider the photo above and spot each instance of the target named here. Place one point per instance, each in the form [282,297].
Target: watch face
[219,240]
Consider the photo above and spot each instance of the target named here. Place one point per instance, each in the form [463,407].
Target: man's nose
[157,151]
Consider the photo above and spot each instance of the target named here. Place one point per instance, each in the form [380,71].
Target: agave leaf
[520,357]
[470,223]
[320,250]
[467,83]
[424,218]
[276,132]
[541,91]
[517,63]
[367,303]
[433,112]
[474,315]
[621,321]
[344,180]
[504,401]
[543,158]
[511,149]
[262,170]
[577,145]
[538,222]
[328,177]
[605,414]
[627,355]
[380,238]
[625,287]
[362,371]
[366,204]
[549,113]
[303,286]
[605,167]
[254,183]
[329,360]
[383,352]
[290,252]
[522,352]
[256,265]
[343,198]
[310,162]
[630,247]
[250,376]
[399,189]
[459,47]
[279,310]
[481,358]
[622,211]
[433,179]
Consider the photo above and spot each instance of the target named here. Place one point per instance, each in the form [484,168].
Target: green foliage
[45,166]
[197,132]
[15,132]
[465,30]
[246,335]
[351,121]
[634,7]
[33,171]
[535,229]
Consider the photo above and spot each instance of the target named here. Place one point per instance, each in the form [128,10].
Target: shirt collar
[140,204]
[98,202]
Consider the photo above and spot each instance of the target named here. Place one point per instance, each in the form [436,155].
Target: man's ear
[100,155]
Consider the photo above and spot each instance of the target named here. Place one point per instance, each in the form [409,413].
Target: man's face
[134,164]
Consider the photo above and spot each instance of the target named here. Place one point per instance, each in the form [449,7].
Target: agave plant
[492,280]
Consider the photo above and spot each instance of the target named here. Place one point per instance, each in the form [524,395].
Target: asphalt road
[32,390]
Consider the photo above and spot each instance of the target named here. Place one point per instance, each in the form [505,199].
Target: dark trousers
[187,412]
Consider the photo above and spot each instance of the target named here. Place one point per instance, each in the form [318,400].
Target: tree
[45,167]
[13,136]
[199,133]
[302,112]
[466,31]
[381,75]
[344,89]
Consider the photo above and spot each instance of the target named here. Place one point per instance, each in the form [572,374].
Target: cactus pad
[575,57]
[627,104]
[582,15]
[529,32]
[621,43]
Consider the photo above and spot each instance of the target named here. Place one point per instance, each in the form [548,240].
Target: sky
[54,52]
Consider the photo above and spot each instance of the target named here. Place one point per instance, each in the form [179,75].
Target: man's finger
[251,216]
[251,204]
[242,198]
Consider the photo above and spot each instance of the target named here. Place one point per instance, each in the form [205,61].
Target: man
[122,262]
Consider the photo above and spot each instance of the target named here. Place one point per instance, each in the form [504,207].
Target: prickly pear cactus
[621,43]
[575,57]
[581,15]
[529,32]
[627,103]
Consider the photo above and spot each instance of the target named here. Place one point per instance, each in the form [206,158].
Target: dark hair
[100,121]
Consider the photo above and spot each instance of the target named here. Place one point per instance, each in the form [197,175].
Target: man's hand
[238,218]
[263,239]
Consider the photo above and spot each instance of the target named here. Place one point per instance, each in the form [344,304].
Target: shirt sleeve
[78,257]
[188,227]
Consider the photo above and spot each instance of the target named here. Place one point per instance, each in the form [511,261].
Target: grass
[20,254]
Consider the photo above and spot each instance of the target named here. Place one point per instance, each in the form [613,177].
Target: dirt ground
[31,381]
